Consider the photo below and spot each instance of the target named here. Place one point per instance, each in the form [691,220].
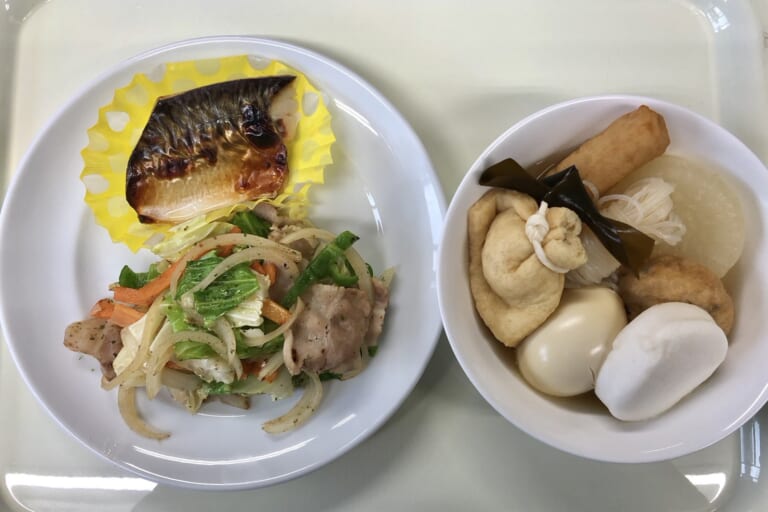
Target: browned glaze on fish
[207,148]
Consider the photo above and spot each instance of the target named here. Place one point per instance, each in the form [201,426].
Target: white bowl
[582,426]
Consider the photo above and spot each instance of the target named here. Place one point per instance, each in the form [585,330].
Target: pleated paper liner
[120,124]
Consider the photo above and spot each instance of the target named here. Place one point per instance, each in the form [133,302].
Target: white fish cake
[658,359]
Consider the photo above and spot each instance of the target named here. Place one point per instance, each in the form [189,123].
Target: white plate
[55,262]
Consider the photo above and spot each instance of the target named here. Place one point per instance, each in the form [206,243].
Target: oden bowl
[582,425]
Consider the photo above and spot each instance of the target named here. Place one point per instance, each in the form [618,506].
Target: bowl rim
[448,322]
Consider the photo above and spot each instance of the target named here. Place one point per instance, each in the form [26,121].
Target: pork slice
[331,330]
[379,309]
[98,338]
[305,246]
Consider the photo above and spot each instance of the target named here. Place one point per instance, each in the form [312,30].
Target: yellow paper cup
[120,124]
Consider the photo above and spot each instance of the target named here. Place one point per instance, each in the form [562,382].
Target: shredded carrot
[254,367]
[145,295]
[124,315]
[173,365]
[226,250]
[250,368]
[272,376]
[103,308]
[275,312]
[266,268]
[271,269]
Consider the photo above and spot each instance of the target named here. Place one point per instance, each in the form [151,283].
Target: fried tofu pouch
[514,292]
[628,143]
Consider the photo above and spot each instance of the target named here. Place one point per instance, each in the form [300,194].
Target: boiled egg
[563,356]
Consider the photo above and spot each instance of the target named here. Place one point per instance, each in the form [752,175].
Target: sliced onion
[259,340]
[274,362]
[361,270]
[293,367]
[224,331]
[281,387]
[126,403]
[302,411]
[154,320]
[201,337]
[230,239]
[183,381]
[244,239]
[303,233]
[137,380]
[191,400]
[182,265]
[163,351]
[160,353]
[250,254]
[387,276]
[239,401]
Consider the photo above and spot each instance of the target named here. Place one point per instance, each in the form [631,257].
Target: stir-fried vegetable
[131,279]
[250,223]
[208,324]
[223,294]
[321,266]
[147,294]
[188,349]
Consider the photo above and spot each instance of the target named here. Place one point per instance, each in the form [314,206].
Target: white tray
[460,72]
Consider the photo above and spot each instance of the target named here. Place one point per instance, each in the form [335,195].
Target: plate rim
[427,173]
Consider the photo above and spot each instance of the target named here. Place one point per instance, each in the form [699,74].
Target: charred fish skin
[206,148]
